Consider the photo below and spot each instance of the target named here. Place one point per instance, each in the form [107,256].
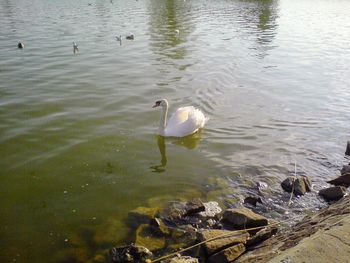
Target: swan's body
[184,121]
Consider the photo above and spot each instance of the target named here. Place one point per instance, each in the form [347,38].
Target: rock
[347,151]
[193,207]
[181,259]
[252,200]
[333,193]
[229,238]
[262,235]
[20,45]
[212,210]
[301,185]
[343,180]
[262,186]
[345,170]
[141,215]
[110,232]
[228,254]
[145,236]
[241,218]
[159,226]
[130,253]
[180,213]
[307,183]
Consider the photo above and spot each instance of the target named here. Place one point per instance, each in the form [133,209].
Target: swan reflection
[190,142]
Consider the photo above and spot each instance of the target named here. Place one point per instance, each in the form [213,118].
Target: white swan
[184,121]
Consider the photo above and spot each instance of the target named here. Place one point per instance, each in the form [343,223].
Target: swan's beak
[155,105]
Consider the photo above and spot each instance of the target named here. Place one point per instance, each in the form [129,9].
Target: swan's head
[162,102]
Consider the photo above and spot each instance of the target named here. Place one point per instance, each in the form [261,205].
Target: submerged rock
[241,218]
[228,254]
[333,193]
[110,232]
[146,237]
[299,186]
[141,215]
[130,253]
[222,239]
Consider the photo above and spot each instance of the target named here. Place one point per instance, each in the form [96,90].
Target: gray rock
[180,213]
[241,218]
[333,193]
[212,210]
[228,254]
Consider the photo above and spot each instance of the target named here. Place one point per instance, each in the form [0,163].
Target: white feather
[184,121]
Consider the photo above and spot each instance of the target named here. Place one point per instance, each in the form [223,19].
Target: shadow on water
[190,142]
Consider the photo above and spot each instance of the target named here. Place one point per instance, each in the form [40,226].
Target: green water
[78,141]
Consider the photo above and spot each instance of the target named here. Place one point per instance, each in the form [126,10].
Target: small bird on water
[75,47]
[20,45]
[130,37]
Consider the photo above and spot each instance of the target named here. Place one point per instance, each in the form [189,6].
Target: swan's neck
[163,119]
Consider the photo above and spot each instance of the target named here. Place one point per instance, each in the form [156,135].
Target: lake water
[78,141]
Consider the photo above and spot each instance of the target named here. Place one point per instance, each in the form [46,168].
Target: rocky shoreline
[193,231]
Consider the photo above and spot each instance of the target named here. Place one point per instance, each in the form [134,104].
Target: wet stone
[193,207]
[222,239]
[299,186]
[347,151]
[141,215]
[262,235]
[159,226]
[252,200]
[228,254]
[178,214]
[343,180]
[241,218]
[129,253]
[345,170]
[333,193]
[145,236]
